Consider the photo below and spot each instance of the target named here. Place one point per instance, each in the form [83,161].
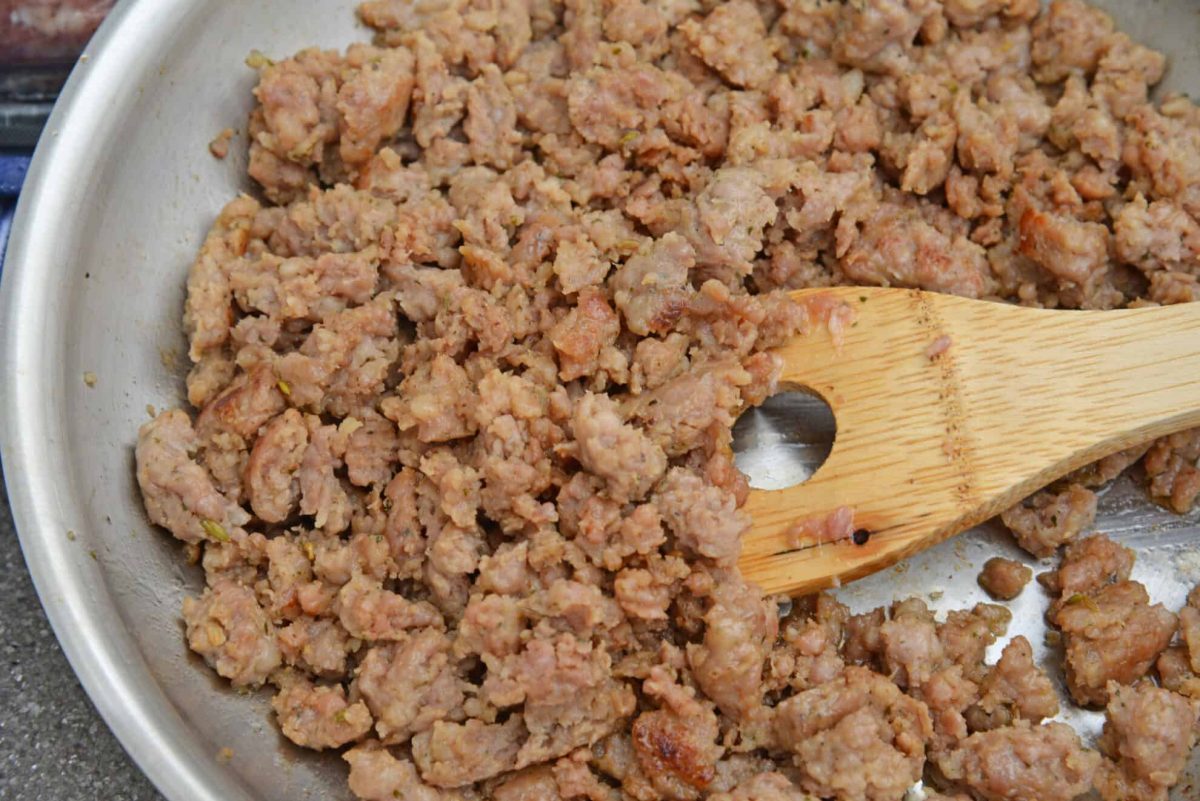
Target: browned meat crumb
[1022,763]
[459,468]
[219,146]
[231,631]
[1148,734]
[857,737]
[1004,578]
[1049,519]
[966,634]
[319,716]
[1111,635]
[1087,565]
[1173,465]
[1014,689]
[765,787]
[911,650]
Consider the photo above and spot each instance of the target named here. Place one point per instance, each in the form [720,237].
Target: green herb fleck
[70,535]
[340,716]
[215,530]
[862,298]
[628,137]
[284,387]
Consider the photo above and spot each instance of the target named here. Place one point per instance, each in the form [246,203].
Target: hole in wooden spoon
[785,441]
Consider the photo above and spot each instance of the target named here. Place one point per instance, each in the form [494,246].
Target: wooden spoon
[951,410]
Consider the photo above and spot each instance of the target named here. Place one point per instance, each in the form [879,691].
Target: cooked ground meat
[1049,518]
[1014,689]
[1148,734]
[1022,763]
[459,471]
[857,737]
[1004,578]
[1112,634]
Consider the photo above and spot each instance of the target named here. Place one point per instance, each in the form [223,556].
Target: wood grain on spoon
[951,410]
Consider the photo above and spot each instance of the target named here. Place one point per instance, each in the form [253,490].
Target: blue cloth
[13,166]
[6,214]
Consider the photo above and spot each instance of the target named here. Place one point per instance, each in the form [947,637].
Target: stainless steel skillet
[119,197]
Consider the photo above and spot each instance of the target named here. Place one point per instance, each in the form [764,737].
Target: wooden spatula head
[949,411]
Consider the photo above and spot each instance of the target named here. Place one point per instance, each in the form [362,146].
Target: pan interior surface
[117,203]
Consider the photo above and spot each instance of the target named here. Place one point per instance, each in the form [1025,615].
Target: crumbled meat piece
[678,414]
[857,737]
[1049,519]
[219,146]
[271,481]
[1112,634]
[837,525]
[1022,763]
[1100,473]
[1074,252]
[1173,466]
[732,40]
[231,631]
[651,288]
[738,633]
[179,493]
[458,754]
[703,519]
[377,775]
[966,635]
[490,125]
[319,716]
[409,685]
[1087,565]
[910,647]
[1014,689]
[318,646]
[1071,35]
[1156,236]
[676,745]
[1004,578]
[875,34]
[764,787]
[614,450]
[370,612]
[1148,734]
[808,655]
[898,248]
[864,642]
